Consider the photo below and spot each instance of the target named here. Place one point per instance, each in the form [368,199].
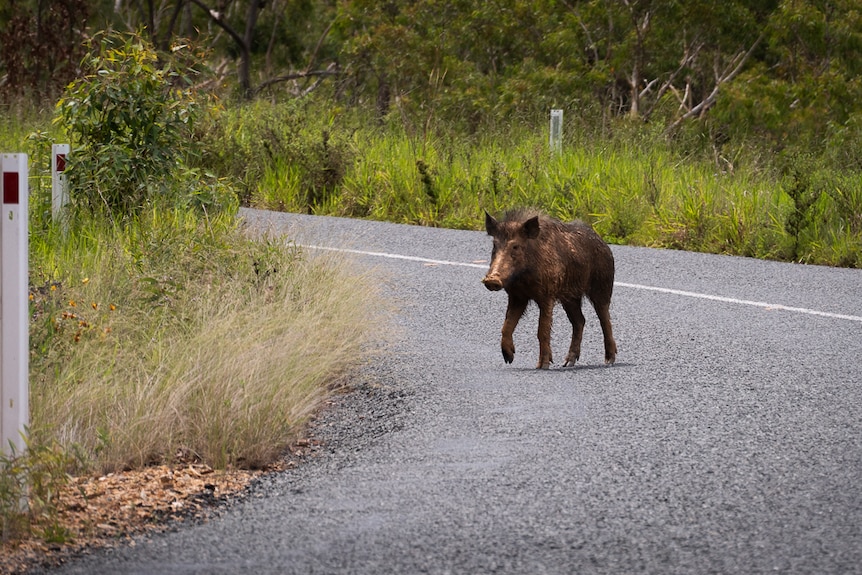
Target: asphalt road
[726,439]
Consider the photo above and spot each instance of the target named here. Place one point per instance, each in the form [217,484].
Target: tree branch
[729,73]
[320,40]
[592,45]
[217,18]
[321,74]
[166,40]
[690,54]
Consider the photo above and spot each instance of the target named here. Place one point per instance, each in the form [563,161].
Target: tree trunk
[244,71]
[641,28]
[243,42]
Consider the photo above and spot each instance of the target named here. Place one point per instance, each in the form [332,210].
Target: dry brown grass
[176,343]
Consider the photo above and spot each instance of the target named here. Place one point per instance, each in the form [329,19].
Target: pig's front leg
[514,311]
[546,311]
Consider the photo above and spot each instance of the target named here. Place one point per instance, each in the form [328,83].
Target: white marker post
[14,304]
[556,139]
[59,187]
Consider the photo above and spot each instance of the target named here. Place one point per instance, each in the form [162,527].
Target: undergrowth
[180,335]
[160,331]
[29,484]
[633,184]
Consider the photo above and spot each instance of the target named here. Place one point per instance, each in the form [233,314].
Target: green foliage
[824,219]
[473,65]
[30,483]
[805,88]
[37,145]
[803,198]
[129,121]
[299,151]
[635,185]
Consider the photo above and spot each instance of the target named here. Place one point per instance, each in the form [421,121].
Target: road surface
[726,439]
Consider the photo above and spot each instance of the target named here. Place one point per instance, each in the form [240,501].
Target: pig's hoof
[571,360]
[610,353]
[508,353]
[544,365]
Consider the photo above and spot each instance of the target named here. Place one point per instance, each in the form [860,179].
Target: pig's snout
[492,282]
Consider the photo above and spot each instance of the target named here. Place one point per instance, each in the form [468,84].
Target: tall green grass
[634,186]
[18,119]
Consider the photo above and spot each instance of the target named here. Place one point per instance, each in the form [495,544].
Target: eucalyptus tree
[248,32]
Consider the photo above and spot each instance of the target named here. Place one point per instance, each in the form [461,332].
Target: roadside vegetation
[161,332]
[633,184]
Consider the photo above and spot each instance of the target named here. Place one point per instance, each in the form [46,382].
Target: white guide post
[556,139]
[14,304]
[59,187]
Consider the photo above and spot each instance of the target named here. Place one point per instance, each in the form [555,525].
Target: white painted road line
[760,304]
[396,257]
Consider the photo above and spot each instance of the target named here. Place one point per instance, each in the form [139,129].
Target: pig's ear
[530,228]
[490,224]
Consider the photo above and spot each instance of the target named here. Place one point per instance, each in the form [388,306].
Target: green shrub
[30,484]
[129,120]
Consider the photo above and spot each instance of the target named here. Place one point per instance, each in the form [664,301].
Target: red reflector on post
[10,187]
[61,162]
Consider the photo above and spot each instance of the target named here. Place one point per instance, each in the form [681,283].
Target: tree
[653,48]
[243,23]
[242,40]
[805,86]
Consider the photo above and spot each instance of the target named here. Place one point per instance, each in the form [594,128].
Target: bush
[35,476]
[129,120]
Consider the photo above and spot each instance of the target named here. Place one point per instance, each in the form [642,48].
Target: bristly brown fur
[538,258]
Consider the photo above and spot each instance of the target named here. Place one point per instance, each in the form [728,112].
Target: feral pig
[537,258]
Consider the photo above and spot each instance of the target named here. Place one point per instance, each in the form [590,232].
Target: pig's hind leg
[576,316]
[604,313]
[546,317]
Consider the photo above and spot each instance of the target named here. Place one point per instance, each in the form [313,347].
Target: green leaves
[35,477]
[130,120]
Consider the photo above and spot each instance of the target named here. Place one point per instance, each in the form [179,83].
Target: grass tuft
[170,336]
